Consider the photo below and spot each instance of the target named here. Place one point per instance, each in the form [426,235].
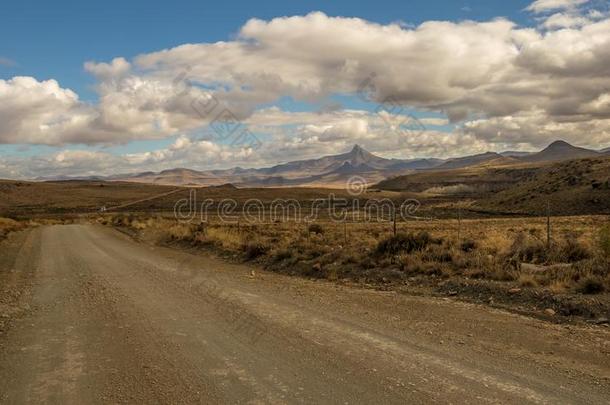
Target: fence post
[394,218]
[548,224]
[459,230]
[345,231]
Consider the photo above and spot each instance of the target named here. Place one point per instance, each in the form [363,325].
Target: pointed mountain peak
[357,148]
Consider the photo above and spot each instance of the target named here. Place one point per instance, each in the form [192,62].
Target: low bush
[8,225]
[529,249]
[438,253]
[282,254]
[527,280]
[315,228]
[573,251]
[254,250]
[590,285]
[468,245]
[603,240]
[403,243]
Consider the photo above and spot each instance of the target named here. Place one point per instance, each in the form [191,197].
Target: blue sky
[52,41]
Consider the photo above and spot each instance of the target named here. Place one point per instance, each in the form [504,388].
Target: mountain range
[335,170]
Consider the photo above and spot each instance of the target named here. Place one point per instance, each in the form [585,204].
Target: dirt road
[107,319]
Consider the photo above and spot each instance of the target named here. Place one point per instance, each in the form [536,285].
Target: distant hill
[468,161]
[358,157]
[560,150]
[511,153]
[478,179]
[573,187]
[174,177]
[330,171]
[336,170]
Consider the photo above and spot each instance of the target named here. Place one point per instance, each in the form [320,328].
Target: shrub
[558,287]
[603,239]
[350,258]
[282,255]
[528,249]
[222,237]
[438,253]
[527,280]
[590,285]
[403,242]
[502,274]
[315,228]
[411,264]
[574,251]
[468,245]
[254,250]
[8,225]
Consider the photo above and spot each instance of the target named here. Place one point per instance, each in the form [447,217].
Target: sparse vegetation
[512,251]
[403,243]
[254,250]
[590,285]
[468,245]
[604,241]
[8,225]
[315,228]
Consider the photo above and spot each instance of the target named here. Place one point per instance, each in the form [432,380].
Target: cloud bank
[501,85]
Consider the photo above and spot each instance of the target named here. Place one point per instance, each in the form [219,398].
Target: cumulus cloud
[129,108]
[469,68]
[298,135]
[536,129]
[310,57]
[509,85]
[564,20]
[118,67]
[541,6]
[289,136]
[184,152]
[40,112]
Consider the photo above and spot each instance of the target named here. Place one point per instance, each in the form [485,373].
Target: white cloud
[512,85]
[118,67]
[541,6]
[535,130]
[437,122]
[564,20]
[468,68]
[292,136]
[310,57]
[491,68]
[40,112]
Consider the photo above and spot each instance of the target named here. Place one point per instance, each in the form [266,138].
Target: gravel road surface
[104,319]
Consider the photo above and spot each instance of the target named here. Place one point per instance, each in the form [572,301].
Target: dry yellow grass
[9,225]
[486,249]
